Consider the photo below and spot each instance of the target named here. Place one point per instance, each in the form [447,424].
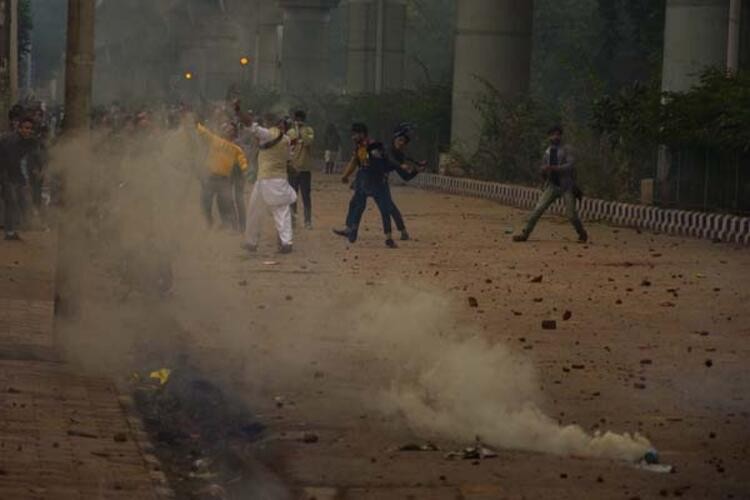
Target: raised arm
[241,159]
[263,134]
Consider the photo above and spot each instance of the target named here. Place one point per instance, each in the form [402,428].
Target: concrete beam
[493,44]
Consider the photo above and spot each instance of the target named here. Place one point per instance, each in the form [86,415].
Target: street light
[244,61]
[188,75]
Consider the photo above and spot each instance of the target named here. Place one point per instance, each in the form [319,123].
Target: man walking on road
[560,182]
[19,152]
[300,177]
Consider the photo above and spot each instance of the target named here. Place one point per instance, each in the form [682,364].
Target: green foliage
[713,114]
[585,47]
[512,140]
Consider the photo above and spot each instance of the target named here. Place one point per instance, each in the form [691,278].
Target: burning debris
[201,432]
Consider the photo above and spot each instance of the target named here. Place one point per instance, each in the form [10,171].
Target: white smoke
[457,385]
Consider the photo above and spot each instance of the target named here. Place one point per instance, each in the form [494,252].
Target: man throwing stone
[560,182]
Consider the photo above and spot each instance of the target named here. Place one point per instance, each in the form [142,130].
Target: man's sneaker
[342,232]
[12,237]
[390,243]
[249,248]
[583,237]
[405,235]
[308,225]
[285,249]
[519,238]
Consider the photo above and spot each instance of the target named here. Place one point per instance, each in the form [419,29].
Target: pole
[13,51]
[733,44]
[79,63]
[5,78]
[79,73]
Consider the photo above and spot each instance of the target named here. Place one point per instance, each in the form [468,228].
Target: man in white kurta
[272,191]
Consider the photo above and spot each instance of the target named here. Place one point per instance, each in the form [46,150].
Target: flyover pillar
[493,45]
[696,34]
[695,38]
[267,67]
[304,53]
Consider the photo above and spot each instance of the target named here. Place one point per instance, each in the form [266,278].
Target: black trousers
[14,205]
[301,182]
[36,191]
[238,201]
[358,204]
[398,219]
[219,188]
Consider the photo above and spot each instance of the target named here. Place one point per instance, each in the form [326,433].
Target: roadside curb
[145,446]
[703,225]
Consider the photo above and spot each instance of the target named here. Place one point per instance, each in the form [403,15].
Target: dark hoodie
[13,151]
[375,174]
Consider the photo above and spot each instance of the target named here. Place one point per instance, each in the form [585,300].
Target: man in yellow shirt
[272,190]
[222,157]
[300,177]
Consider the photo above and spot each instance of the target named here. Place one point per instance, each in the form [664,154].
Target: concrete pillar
[493,43]
[375,47]
[695,37]
[304,52]
[267,69]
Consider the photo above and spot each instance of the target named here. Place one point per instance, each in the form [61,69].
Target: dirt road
[651,337]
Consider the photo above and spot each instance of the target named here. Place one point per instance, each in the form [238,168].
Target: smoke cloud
[457,385]
[136,208]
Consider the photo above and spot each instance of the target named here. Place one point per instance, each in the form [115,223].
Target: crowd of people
[276,154]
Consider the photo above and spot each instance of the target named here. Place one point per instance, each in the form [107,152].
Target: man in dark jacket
[372,181]
[560,182]
[19,160]
[401,140]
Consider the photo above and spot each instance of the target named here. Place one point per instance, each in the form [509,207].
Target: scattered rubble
[428,446]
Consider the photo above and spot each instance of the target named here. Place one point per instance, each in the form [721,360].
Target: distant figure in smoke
[223,156]
[401,140]
[19,159]
[372,181]
[302,137]
[560,182]
[272,190]
[332,148]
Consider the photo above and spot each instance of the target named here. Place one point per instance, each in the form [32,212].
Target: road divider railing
[706,225]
